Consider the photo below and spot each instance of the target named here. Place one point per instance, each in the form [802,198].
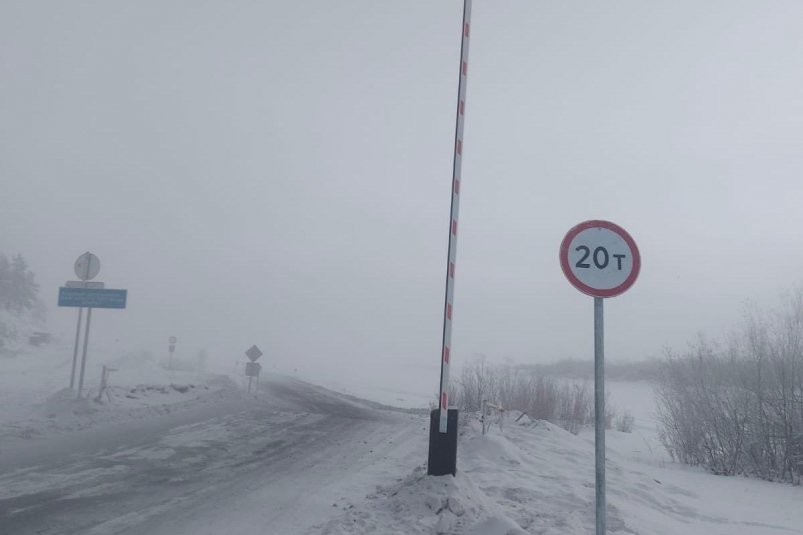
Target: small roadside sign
[87,266]
[92,298]
[253,353]
[252,369]
[172,339]
[96,285]
[600,258]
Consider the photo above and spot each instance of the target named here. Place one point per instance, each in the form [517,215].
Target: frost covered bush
[624,423]
[738,409]
[567,403]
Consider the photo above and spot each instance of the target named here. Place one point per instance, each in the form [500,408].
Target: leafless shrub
[567,403]
[739,408]
[624,423]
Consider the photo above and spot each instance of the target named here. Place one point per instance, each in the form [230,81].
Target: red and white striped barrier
[456,176]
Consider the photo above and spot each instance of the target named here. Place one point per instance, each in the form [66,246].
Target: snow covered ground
[36,400]
[171,452]
[536,478]
[194,460]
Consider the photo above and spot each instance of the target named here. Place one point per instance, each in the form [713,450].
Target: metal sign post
[75,349]
[171,347]
[85,294]
[104,384]
[87,266]
[601,260]
[599,415]
[252,368]
[83,356]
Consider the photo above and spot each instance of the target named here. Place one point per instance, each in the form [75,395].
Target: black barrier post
[442,458]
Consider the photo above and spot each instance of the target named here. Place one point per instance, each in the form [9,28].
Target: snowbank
[537,478]
[421,504]
[36,399]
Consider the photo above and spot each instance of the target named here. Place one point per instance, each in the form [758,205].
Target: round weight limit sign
[600,258]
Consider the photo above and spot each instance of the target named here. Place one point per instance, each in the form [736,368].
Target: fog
[280,173]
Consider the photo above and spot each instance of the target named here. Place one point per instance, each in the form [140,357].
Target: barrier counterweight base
[442,457]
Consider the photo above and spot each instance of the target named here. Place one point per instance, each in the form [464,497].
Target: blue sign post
[88,298]
[92,298]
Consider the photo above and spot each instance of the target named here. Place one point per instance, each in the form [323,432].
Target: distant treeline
[643,370]
[737,407]
[557,398]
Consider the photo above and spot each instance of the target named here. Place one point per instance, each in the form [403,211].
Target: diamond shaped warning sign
[253,353]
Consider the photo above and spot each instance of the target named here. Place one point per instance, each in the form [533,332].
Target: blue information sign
[92,298]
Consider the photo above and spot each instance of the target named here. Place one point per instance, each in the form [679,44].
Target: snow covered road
[278,464]
[304,460]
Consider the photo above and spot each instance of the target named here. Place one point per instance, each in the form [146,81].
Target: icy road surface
[278,464]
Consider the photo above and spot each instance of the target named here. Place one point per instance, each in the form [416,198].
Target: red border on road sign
[588,290]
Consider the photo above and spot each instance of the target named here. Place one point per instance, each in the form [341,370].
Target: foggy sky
[279,172]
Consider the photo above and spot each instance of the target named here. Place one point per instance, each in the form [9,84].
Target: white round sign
[172,339]
[600,258]
[87,266]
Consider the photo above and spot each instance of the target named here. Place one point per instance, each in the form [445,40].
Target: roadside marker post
[600,259]
[442,456]
[171,347]
[104,383]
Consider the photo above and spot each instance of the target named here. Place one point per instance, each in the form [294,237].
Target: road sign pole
[75,349]
[84,275]
[83,357]
[171,347]
[599,412]
[252,369]
[600,259]
[102,384]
